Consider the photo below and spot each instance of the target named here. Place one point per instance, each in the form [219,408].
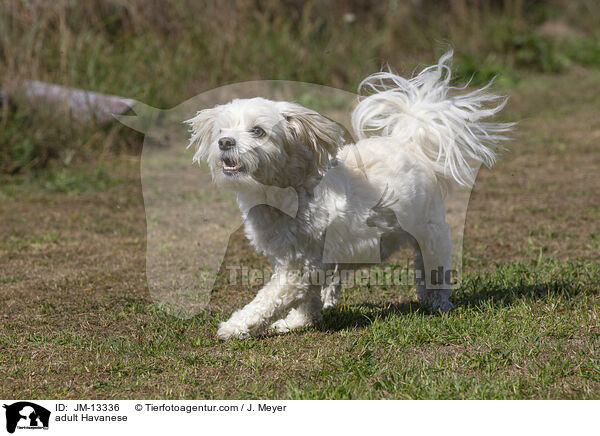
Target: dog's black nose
[226,143]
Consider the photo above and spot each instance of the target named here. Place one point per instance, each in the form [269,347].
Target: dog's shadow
[361,315]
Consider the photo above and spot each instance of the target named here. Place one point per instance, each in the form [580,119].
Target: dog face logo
[26,415]
[191,213]
[261,148]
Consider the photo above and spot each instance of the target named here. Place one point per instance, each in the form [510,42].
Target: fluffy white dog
[415,142]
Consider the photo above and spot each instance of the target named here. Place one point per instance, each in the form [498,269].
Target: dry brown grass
[77,320]
[76,317]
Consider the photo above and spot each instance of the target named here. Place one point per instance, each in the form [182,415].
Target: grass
[518,332]
[76,317]
[167,52]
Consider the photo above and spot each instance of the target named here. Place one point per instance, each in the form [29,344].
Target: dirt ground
[76,260]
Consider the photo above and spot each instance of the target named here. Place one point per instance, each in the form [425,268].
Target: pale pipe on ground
[84,105]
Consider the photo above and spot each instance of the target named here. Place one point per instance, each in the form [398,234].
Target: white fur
[356,203]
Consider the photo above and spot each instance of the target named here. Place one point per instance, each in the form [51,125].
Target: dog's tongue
[230,165]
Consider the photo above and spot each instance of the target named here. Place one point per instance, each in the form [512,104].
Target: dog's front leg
[283,293]
[306,314]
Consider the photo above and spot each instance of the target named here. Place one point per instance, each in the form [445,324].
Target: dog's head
[258,141]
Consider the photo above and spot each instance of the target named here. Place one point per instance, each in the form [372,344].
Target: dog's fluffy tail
[448,131]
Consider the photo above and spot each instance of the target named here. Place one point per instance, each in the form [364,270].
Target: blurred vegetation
[165,51]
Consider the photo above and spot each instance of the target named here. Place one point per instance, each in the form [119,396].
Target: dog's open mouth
[231,166]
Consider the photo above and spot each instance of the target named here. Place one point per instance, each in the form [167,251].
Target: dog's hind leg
[433,258]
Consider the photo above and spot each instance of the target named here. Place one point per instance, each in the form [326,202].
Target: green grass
[518,331]
[166,53]
[76,317]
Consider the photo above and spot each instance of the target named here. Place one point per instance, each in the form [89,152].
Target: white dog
[415,143]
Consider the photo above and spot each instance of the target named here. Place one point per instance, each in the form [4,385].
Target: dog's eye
[258,131]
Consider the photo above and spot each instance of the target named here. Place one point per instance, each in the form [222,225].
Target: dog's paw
[330,296]
[440,305]
[443,306]
[295,320]
[436,300]
[228,330]
[329,303]
[446,307]
[287,325]
[281,326]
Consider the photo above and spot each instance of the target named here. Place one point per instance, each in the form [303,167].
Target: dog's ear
[201,130]
[322,136]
